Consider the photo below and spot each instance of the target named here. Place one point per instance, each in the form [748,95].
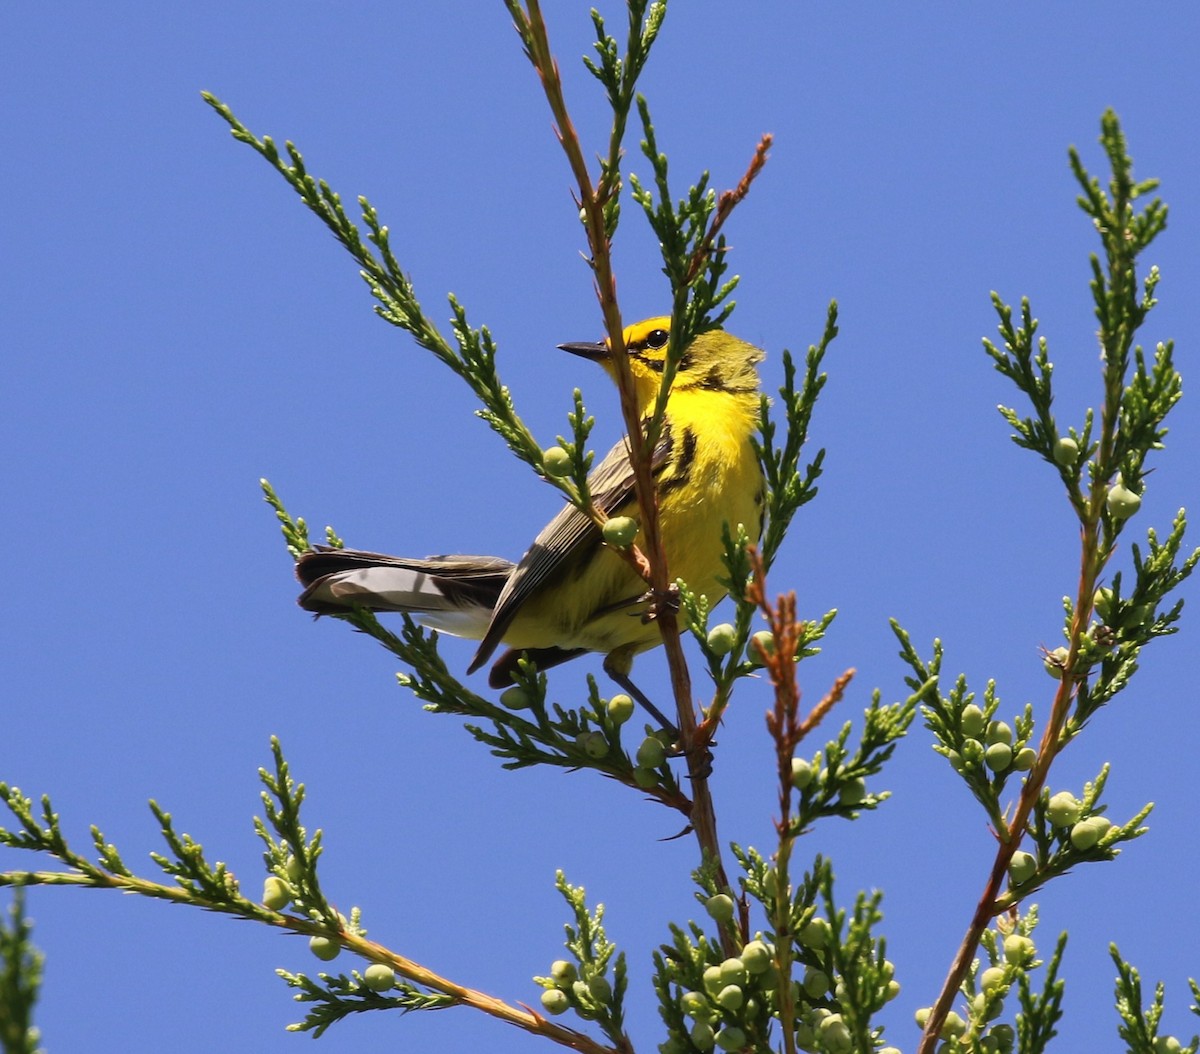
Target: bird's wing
[568,537]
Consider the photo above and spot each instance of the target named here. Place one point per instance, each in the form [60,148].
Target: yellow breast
[712,478]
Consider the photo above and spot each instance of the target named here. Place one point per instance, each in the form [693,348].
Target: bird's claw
[660,602]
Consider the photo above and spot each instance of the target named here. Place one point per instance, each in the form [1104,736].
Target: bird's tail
[454,594]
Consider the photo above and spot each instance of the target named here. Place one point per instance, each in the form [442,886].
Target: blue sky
[175,327]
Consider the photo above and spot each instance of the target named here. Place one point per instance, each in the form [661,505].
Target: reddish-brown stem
[787,729]
[592,205]
[1011,835]
[521,1017]
[726,203]
[1093,556]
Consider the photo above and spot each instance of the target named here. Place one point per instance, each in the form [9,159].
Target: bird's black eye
[657,338]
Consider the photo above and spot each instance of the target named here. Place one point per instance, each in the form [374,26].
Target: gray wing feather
[337,579]
[567,537]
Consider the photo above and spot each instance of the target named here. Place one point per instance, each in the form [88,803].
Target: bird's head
[714,361]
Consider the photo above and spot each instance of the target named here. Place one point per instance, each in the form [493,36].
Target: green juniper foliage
[1101,465]
[771,960]
[20,979]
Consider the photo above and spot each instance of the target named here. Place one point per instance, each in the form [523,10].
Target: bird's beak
[594,350]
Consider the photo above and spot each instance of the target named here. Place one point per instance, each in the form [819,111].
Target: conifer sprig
[1100,654]
[787,488]
[20,980]
[1140,1025]
[472,355]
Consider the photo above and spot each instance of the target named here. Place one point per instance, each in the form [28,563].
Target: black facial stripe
[655,364]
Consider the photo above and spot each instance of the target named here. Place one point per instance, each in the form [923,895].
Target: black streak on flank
[682,466]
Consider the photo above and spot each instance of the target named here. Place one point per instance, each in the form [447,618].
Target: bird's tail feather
[454,594]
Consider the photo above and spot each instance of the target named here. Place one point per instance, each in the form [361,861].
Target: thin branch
[525,1019]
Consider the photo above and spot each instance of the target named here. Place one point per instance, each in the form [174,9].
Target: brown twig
[827,703]
[653,565]
[523,1018]
[788,729]
[726,203]
[1011,834]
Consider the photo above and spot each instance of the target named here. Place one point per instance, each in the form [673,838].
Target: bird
[571,593]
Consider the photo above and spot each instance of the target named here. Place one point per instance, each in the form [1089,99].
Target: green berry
[695,1006]
[1022,867]
[324,948]
[999,732]
[515,698]
[762,643]
[953,1026]
[1025,760]
[802,773]
[557,462]
[853,792]
[277,894]
[555,1001]
[645,778]
[1084,835]
[998,757]
[294,869]
[757,957]
[703,1036]
[1167,1045]
[835,1034]
[921,1016]
[1055,662]
[731,998]
[1087,833]
[816,982]
[992,978]
[600,989]
[620,531]
[1004,1035]
[816,933]
[771,882]
[972,720]
[712,980]
[651,754]
[594,744]
[1121,501]
[731,1038]
[379,978]
[733,971]
[1018,950]
[619,709]
[1064,809]
[721,639]
[1066,450]
[1102,601]
[720,907]
[892,990]
[562,972]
